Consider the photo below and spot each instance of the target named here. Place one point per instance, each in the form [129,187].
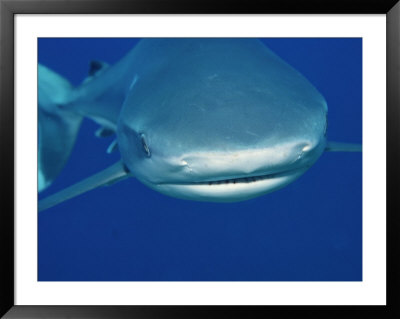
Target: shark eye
[144,145]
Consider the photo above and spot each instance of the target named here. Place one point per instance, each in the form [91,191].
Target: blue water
[310,230]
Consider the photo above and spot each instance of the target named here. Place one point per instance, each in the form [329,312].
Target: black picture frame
[8,10]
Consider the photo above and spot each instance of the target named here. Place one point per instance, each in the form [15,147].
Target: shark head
[229,123]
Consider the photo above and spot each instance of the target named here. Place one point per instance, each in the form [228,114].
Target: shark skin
[220,120]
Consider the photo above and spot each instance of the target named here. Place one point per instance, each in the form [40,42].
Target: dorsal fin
[58,128]
[96,66]
[342,147]
[108,176]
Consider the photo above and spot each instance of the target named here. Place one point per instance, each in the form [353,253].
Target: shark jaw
[230,176]
[229,189]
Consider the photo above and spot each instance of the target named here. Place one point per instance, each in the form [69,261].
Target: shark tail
[343,147]
[58,127]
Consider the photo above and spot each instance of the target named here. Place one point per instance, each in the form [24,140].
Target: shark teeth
[248,179]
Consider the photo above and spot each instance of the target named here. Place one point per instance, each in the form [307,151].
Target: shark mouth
[241,180]
[247,179]
[230,189]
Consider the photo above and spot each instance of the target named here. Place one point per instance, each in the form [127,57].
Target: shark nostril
[306,148]
[184,163]
[186,167]
[303,151]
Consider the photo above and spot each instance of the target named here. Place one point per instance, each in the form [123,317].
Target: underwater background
[311,230]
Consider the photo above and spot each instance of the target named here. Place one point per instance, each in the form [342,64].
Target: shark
[204,119]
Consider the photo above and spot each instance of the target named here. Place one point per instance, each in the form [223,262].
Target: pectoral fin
[108,176]
[342,147]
